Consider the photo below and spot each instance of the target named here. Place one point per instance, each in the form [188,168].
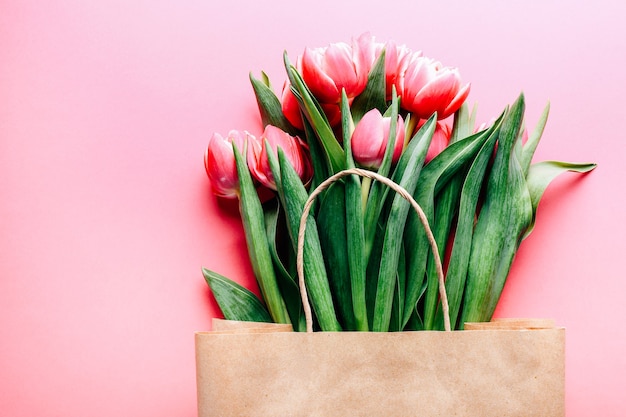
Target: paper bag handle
[405,194]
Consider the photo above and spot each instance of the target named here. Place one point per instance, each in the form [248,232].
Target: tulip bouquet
[388,109]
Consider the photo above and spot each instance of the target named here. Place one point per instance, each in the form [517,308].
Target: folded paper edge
[512,324]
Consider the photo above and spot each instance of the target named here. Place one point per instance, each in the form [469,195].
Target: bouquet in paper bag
[390,110]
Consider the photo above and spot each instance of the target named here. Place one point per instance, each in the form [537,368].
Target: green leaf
[503,219]
[293,196]
[446,206]
[541,174]
[528,149]
[397,308]
[355,232]
[415,322]
[433,178]
[314,113]
[286,282]
[332,232]
[270,106]
[374,95]
[464,122]
[319,161]
[460,255]
[254,227]
[235,301]
[406,175]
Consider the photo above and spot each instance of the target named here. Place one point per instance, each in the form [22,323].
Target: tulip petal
[440,141]
[319,82]
[457,102]
[435,95]
[340,68]
[291,108]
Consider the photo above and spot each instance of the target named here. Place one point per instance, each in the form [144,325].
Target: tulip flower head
[371,136]
[426,87]
[219,162]
[292,146]
[338,66]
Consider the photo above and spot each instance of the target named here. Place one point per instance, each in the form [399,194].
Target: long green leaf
[528,150]
[317,118]
[459,257]
[254,227]
[434,176]
[286,282]
[235,301]
[319,160]
[293,196]
[355,232]
[270,106]
[446,206]
[504,216]
[407,177]
[332,232]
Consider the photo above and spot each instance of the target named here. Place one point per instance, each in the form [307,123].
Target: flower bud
[219,162]
[292,146]
[370,138]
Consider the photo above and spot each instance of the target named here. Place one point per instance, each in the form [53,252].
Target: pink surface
[106,217]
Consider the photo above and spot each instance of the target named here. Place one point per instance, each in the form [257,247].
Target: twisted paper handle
[420,213]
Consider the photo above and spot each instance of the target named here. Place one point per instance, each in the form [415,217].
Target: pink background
[106,217]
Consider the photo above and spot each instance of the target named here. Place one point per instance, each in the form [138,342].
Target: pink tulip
[426,87]
[292,146]
[338,66]
[395,56]
[441,139]
[370,138]
[219,162]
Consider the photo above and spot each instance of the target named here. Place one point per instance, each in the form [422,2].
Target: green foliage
[367,262]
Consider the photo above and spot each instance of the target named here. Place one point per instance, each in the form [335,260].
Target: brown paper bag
[503,368]
[463,373]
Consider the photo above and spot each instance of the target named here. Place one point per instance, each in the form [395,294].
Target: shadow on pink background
[106,217]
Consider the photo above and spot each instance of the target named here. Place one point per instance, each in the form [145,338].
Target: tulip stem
[366,184]
[411,124]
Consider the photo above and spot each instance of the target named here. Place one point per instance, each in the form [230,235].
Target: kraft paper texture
[503,368]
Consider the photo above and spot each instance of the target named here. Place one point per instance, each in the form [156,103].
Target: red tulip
[338,66]
[426,87]
[370,138]
[291,108]
[219,162]
[292,146]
